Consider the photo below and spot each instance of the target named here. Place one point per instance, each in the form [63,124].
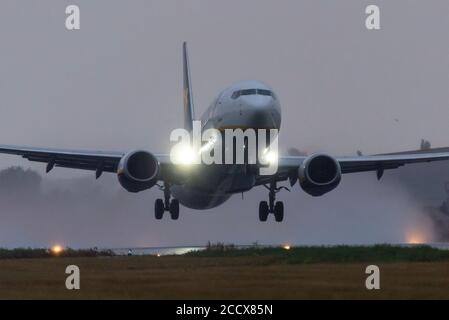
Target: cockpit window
[264,92]
[235,94]
[247,92]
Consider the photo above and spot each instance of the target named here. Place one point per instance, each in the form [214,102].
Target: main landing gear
[172,206]
[272,206]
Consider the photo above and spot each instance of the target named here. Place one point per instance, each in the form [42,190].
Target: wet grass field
[270,273]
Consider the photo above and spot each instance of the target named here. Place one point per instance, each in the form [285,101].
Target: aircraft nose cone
[259,102]
[262,112]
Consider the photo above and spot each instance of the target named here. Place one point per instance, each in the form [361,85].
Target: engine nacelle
[138,171]
[319,174]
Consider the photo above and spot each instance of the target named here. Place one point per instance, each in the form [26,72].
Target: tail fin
[189,114]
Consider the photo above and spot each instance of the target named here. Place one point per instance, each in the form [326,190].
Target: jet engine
[138,171]
[319,174]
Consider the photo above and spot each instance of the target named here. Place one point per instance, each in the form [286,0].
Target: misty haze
[83,212]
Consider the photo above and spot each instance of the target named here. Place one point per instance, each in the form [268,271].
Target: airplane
[247,104]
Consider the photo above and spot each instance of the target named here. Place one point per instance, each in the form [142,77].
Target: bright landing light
[57,249]
[416,237]
[183,155]
[271,157]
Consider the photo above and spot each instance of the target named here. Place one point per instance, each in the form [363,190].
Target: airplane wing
[389,161]
[288,165]
[102,161]
[98,161]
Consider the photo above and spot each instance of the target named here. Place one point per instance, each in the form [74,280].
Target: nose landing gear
[172,206]
[272,206]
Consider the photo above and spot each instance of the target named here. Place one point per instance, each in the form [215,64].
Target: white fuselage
[244,105]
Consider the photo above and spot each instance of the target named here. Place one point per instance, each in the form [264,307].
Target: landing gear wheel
[174,209]
[159,209]
[273,206]
[263,211]
[166,204]
[279,211]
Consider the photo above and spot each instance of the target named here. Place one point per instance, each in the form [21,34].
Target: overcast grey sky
[116,85]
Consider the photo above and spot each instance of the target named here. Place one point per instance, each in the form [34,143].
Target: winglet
[189,114]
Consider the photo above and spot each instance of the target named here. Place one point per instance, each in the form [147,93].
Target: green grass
[225,272]
[186,277]
[334,254]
